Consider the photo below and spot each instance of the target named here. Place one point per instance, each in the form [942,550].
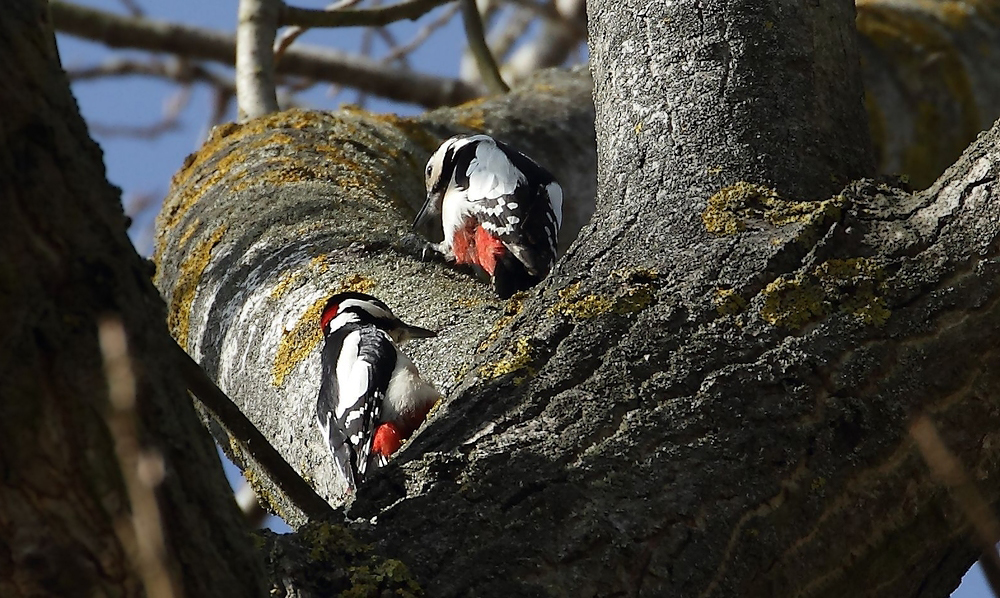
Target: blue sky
[144,166]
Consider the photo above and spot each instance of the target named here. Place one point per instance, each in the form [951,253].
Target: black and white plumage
[371,397]
[497,210]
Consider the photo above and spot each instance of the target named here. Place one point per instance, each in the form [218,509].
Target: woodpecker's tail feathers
[343,453]
[511,276]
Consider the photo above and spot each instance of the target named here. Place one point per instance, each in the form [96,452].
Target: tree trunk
[64,514]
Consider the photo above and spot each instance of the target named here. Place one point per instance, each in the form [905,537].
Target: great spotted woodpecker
[371,397]
[498,209]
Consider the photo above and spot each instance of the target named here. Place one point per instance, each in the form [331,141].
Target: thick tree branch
[931,80]
[314,63]
[257,25]
[359,176]
[364,17]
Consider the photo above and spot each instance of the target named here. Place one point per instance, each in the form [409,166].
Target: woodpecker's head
[351,307]
[439,177]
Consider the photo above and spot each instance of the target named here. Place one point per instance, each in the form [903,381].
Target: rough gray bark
[710,394]
[64,528]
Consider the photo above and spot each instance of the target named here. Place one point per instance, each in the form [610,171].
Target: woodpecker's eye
[428,170]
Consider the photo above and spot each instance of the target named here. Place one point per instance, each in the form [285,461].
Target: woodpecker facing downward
[498,209]
[372,397]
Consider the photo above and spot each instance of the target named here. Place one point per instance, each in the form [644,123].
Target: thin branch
[290,34]
[286,38]
[256,94]
[550,12]
[141,470]
[364,17]
[422,35]
[946,468]
[488,70]
[391,43]
[179,71]
[250,439]
[170,122]
[314,63]
[220,107]
[133,8]
[503,37]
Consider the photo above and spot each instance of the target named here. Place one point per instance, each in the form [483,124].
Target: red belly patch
[388,439]
[472,244]
[488,249]
[390,436]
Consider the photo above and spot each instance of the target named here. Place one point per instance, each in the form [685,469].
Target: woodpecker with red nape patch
[371,397]
[498,210]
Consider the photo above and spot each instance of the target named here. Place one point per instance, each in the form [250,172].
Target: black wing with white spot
[515,199]
[357,363]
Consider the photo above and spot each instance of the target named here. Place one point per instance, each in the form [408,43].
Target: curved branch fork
[687,406]
[726,414]
[273,216]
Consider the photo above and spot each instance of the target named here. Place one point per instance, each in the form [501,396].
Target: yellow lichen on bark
[296,344]
[853,286]
[191,269]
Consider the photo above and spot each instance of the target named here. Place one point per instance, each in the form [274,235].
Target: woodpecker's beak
[418,332]
[407,332]
[428,220]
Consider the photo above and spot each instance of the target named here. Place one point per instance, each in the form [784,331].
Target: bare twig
[133,8]
[488,70]
[422,35]
[170,121]
[551,46]
[135,203]
[141,470]
[946,468]
[290,34]
[502,37]
[256,94]
[364,17]
[180,71]
[250,439]
[391,43]
[551,12]
[152,131]
[512,29]
[314,63]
